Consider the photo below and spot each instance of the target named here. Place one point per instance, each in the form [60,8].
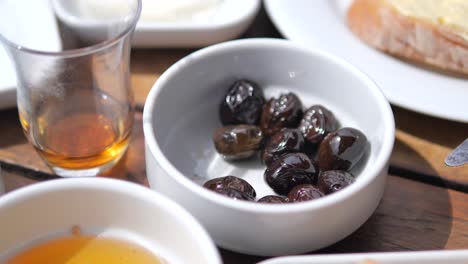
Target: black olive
[273,199]
[234,194]
[242,104]
[304,192]
[342,149]
[334,180]
[285,111]
[316,123]
[237,142]
[287,140]
[290,170]
[230,182]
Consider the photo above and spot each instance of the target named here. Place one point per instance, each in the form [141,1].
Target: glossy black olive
[237,142]
[316,123]
[287,140]
[342,149]
[304,192]
[230,182]
[234,194]
[284,111]
[242,104]
[290,170]
[334,180]
[273,199]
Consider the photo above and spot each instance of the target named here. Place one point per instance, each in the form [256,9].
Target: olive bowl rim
[380,164]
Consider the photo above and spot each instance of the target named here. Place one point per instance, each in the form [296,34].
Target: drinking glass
[73,82]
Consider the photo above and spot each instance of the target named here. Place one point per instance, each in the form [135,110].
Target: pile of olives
[307,154]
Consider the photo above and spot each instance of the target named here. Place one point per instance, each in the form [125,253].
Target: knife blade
[458,156]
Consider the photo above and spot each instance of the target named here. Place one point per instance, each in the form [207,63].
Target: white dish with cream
[196,25]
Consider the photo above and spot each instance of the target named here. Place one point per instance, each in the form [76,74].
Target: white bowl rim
[363,180]
[119,186]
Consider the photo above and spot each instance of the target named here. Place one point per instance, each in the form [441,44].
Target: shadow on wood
[132,165]
[405,220]
[410,159]
[11,130]
[439,131]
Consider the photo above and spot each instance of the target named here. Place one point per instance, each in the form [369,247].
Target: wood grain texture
[14,147]
[146,67]
[421,145]
[18,156]
[412,216]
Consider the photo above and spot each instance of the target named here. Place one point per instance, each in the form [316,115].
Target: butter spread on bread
[451,13]
[434,32]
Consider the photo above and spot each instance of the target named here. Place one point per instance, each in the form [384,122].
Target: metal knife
[458,156]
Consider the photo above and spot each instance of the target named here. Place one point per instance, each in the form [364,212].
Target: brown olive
[287,140]
[242,104]
[284,111]
[290,170]
[334,180]
[273,199]
[316,123]
[230,182]
[238,142]
[342,149]
[304,192]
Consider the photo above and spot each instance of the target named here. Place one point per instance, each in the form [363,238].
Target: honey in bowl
[78,248]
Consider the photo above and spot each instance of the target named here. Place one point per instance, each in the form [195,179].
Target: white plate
[230,20]
[322,24]
[421,257]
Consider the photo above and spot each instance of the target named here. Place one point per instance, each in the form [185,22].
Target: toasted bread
[432,38]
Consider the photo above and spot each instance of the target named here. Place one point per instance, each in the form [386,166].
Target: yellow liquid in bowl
[84,249]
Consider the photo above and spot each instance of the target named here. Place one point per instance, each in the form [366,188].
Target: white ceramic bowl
[181,113]
[107,207]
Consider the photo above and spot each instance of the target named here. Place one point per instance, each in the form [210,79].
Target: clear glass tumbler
[73,81]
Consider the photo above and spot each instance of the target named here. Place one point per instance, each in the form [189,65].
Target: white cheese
[179,10]
[152,11]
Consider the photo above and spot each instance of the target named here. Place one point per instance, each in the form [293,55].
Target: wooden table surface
[425,206]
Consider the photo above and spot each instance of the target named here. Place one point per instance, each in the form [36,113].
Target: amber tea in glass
[74,98]
[78,137]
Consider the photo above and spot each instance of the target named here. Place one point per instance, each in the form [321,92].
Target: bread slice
[424,38]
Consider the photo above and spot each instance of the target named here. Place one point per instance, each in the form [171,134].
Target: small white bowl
[231,19]
[181,113]
[104,207]
[227,20]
